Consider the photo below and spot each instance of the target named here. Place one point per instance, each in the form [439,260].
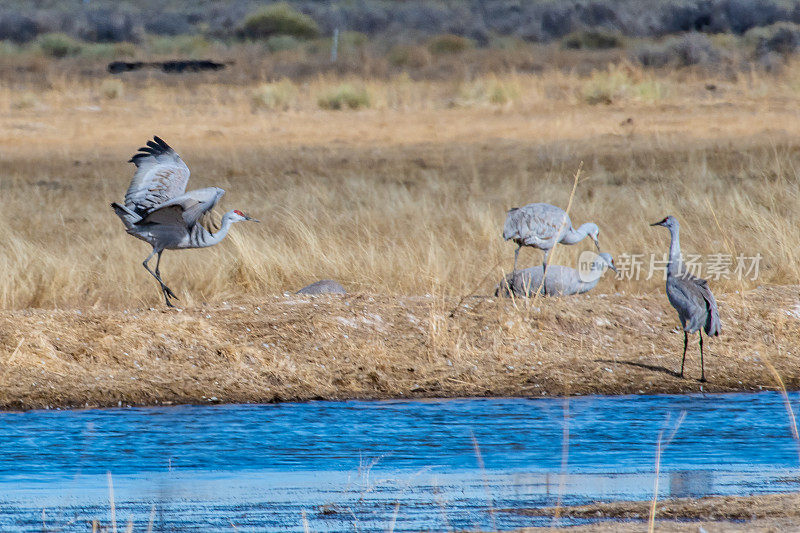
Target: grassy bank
[369,346]
[762,513]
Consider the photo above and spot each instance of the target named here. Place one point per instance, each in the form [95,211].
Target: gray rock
[324,286]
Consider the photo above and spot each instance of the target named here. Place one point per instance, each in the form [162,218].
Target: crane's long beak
[252,219]
[612,267]
[596,244]
[659,223]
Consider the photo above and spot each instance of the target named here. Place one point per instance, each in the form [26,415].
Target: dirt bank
[360,346]
[769,512]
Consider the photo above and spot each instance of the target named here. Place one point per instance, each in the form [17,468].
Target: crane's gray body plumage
[158,211]
[689,295]
[543,226]
[560,280]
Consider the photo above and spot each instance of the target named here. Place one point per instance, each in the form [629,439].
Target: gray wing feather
[537,225]
[189,207]
[160,176]
[695,303]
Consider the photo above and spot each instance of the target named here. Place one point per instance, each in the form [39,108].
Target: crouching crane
[158,211]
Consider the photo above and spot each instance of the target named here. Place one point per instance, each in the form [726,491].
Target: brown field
[400,199]
[281,348]
[717,514]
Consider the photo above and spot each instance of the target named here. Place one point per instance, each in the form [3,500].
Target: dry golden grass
[769,513]
[300,348]
[407,197]
[404,199]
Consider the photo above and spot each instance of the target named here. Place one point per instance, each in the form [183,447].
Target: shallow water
[365,466]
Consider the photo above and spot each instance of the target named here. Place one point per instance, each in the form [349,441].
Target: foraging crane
[690,296]
[560,280]
[159,212]
[542,226]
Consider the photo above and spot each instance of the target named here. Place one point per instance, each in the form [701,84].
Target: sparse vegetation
[592,40]
[344,96]
[274,96]
[449,44]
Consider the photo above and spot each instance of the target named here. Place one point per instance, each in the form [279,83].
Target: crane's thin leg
[516,255]
[702,370]
[685,344]
[158,278]
[167,290]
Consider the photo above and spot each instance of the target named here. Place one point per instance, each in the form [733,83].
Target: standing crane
[690,296]
[542,226]
[560,280]
[159,212]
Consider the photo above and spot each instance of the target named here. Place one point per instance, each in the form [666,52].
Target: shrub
[274,96]
[279,19]
[59,45]
[782,38]
[491,91]
[689,49]
[108,50]
[26,100]
[605,86]
[449,44]
[409,56]
[112,89]
[343,96]
[17,28]
[592,40]
[279,43]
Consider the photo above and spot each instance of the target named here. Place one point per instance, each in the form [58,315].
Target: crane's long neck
[202,238]
[675,260]
[577,235]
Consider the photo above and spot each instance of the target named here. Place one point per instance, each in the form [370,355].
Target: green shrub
[274,96]
[59,45]
[279,43]
[108,50]
[409,56]
[279,19]
[592,40]
[492,91]
[343,96]
[449,44]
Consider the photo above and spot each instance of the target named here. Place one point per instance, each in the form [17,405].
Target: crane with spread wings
[158,211]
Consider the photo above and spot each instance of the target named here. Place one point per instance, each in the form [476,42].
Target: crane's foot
[168,292]
[703,379]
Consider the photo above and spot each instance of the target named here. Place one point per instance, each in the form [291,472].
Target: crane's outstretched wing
[160,176]
[186,209]
[536,225]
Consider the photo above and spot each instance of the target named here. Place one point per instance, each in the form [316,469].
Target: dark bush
[17,28]
[279,19]
[169,24]
[782,38]
[107,26]
[689,49]
[592,40]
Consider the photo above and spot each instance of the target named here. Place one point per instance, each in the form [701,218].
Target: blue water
[345,466]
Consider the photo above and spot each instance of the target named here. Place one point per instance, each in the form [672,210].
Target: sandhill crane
[560,280]
[690,296]
[542,226]
[159,212]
